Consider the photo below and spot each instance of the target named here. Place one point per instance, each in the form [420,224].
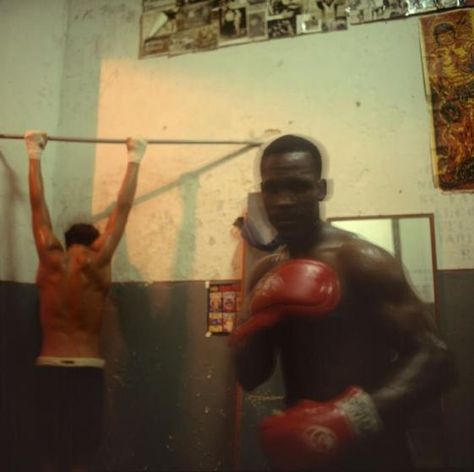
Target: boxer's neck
[304,243]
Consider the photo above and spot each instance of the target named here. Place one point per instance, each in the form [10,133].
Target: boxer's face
[291,191]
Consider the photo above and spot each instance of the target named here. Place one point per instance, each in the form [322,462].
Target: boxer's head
[291,185]
[81,233]
[289,143]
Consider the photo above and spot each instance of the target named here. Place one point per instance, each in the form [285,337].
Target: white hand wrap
[35,143]
[136,148]
[362,413]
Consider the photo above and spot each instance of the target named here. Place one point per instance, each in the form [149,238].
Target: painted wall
[71,68]
[360,92]
[32,48]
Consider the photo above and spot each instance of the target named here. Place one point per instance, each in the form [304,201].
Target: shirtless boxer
[73,285]
[358,350]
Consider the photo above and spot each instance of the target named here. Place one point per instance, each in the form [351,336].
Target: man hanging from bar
[73,285]
[358,351]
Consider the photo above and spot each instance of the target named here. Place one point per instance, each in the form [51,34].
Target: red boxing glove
[299,287]
[312,434]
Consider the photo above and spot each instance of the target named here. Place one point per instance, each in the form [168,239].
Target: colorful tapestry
[448,56]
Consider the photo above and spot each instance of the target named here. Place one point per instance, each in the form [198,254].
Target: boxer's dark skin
[380,337]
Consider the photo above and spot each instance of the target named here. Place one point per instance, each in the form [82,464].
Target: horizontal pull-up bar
[68,139]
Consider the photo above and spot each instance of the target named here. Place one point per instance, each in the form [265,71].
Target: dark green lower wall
[170,390]
[19,343]
[456,300]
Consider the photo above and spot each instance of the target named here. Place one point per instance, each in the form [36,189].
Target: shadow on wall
[188,185]
[170,389]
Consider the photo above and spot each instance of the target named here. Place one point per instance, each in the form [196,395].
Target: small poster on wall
[448,59]
[223,306]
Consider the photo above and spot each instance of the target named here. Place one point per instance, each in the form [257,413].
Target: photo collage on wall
[365,11]
[448,57]
[224,300]
[174,27]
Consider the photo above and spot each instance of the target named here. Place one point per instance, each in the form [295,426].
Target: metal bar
[150,141]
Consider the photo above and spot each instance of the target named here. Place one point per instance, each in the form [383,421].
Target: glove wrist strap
[362,413]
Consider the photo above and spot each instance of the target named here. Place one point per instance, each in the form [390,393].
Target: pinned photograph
[233,23]
[156,47]
[156,27]
[425,6]
[308,23]
[182,42]
[228,302]
[194,15]
[207,37]
[285,8]
[215,300]
[332,14]
[281,28]
[360,11]
[365,11]
[228,321]
[257,24]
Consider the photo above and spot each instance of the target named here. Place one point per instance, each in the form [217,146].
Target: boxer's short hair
[292,143]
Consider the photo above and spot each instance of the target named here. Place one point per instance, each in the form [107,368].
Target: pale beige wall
[32,40]
[360,92]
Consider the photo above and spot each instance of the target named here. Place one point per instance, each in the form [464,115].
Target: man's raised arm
[424,365]
[106,244]
[45,239]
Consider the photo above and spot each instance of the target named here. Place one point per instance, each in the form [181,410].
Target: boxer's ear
[321,189]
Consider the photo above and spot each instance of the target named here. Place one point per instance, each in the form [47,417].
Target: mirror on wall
[410,239]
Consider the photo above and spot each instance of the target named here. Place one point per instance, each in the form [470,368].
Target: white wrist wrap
[362,413]
[34,153]
[35,142]
[136,149]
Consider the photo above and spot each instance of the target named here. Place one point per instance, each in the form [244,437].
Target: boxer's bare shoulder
[359,260]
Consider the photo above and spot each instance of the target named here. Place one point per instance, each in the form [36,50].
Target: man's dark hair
[292,143]
[81,233]
[443,28]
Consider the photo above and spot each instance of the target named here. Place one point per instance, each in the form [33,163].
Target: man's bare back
[73,292]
